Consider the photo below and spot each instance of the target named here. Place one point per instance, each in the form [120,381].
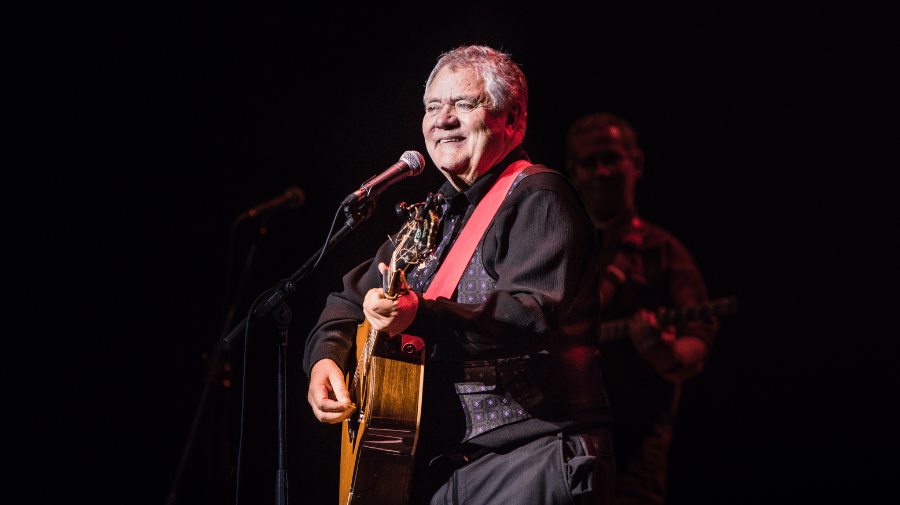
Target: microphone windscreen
[415,160]
[296,197]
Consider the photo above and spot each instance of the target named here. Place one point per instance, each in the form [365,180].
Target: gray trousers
[556,469]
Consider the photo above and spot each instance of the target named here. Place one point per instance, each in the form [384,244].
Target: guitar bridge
[353,423]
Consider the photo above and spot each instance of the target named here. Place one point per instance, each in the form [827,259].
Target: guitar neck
[394,282]
[620,328]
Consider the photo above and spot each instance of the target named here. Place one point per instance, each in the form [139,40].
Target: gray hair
[504,82]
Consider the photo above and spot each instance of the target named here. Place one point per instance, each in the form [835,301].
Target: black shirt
[539,253]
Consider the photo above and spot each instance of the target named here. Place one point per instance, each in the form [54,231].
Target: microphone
[292,198]
[411,163]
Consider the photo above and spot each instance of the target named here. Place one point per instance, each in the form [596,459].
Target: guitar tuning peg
[402,210]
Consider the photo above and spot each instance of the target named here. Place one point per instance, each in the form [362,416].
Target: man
[520,330]
[643,268]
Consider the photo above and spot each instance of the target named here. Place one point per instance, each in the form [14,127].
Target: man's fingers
[334,416]
[328,394]
[328,405]
[669,334]
[339,388]
[328,410]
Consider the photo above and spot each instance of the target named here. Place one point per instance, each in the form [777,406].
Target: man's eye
[611,159]
[465,106]
[589,163]
[432,109]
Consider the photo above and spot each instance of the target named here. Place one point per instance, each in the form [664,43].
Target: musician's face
[603,171]
[464,137]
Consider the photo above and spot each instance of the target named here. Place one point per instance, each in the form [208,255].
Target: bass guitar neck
[621,328]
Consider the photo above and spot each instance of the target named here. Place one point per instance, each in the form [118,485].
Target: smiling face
[603,171]
[463,136]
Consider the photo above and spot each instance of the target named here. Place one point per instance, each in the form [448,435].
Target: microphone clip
[358,211]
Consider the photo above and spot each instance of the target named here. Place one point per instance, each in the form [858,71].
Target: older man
[644,268]
[518,332]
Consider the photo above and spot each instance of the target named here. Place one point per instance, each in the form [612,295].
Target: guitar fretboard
[362,364]
[620,328]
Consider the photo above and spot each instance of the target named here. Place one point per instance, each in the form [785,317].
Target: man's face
[603,172]
[463,136]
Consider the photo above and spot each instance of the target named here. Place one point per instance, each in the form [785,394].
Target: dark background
[156,126]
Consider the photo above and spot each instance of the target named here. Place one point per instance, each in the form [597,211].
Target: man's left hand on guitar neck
[390,316]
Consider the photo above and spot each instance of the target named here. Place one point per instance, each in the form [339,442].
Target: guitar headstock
[415,242]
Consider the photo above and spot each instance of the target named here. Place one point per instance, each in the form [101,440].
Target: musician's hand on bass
[328,394]
[675,357]
[646,331]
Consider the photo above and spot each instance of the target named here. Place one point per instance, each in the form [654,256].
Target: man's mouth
[451,139]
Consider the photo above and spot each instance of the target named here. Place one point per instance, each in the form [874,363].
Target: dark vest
[497,392]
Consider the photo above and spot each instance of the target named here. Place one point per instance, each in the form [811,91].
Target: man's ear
[513,117]
[638,159]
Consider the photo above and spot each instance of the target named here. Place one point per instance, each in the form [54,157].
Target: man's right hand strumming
[328,394]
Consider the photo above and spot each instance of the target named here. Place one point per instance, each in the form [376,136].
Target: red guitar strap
[448,275]
[450,271]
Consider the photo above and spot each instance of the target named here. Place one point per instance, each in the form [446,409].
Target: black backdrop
[165,123]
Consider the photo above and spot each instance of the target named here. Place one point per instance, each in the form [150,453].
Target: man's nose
[446,117]
[601,169]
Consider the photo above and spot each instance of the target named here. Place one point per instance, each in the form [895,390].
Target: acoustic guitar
[621,328]
[378,442]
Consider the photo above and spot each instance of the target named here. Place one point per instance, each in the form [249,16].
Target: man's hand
[645,331]
[328,394]
[675,358]
[390,316]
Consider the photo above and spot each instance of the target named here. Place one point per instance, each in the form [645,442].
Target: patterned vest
[502,391]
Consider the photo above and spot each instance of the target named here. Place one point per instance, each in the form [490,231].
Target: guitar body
[378,442]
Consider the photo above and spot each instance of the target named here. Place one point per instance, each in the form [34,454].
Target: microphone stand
[276,310]
[217,360]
